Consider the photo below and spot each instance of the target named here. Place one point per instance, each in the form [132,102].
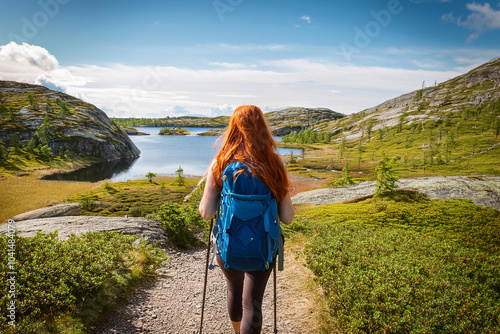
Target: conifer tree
[369,128]
[150,176]
[400,124]
[346,177]
[3,151]
[386,176]
[33,101]
[180,176]
[343,144]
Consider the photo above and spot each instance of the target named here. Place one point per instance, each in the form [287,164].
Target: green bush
[454,219]
[72,278]
[179,223]
[88,201]
[109,188]
[136,211]
[387,280]
[345,179]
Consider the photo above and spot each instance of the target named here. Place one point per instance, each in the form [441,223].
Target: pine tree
[386,176]
[380,134]
[16,144]
[343,144]
[46,153]
[400,124]
[12,114]
[369,128]
[413,128]
[150,176]
[32,100]
[419,127]
[360,151]
[3,151]
[346,177]
[180,176]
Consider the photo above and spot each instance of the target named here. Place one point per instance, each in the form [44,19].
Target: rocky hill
[40,116]
[465,93]
[283,122]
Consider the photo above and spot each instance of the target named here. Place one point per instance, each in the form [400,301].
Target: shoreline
[480,189]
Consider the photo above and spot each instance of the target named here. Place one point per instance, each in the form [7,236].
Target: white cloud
[428,63]
[228,65]
[306,18]
[30,55]
[158,91]
[482,19]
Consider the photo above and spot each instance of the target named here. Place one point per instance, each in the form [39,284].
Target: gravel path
[172,303]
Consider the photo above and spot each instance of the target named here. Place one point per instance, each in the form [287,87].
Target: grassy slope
[410,148]
[364,264]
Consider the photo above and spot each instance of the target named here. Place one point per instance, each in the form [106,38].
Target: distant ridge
[281,122]
[470,90]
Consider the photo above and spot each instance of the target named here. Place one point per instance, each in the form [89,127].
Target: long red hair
[248,139]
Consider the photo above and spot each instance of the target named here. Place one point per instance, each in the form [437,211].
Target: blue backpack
[247,231]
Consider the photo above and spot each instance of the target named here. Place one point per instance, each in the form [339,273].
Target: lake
[162,155]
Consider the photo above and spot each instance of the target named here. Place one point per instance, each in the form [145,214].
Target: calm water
[161,155]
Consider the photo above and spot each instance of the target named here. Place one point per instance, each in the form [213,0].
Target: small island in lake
[169,131]
[133,131]
[211,132]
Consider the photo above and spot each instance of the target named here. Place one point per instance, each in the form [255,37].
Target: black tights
[245,291]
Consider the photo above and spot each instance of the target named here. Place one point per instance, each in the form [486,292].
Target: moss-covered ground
[134,197]
[404,264]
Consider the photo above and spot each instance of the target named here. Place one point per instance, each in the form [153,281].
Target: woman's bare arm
[210,199]
[286,211]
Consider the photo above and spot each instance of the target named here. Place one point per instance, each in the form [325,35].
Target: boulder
[140,227]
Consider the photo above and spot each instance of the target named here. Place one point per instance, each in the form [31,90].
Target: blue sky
[160,58]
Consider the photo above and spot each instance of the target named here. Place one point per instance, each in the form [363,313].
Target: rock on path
[483,190]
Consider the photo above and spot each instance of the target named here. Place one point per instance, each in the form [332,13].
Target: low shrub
[136,211]
[74,280]
[88,201]
[387,280]
[454,219]
[109,188]
[181,224]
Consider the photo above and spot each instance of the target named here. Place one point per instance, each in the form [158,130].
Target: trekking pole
[275,313]
[206,275]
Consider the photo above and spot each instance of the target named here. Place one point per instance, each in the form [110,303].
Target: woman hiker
[247,140]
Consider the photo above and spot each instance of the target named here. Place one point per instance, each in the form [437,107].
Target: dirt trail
[172,303]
